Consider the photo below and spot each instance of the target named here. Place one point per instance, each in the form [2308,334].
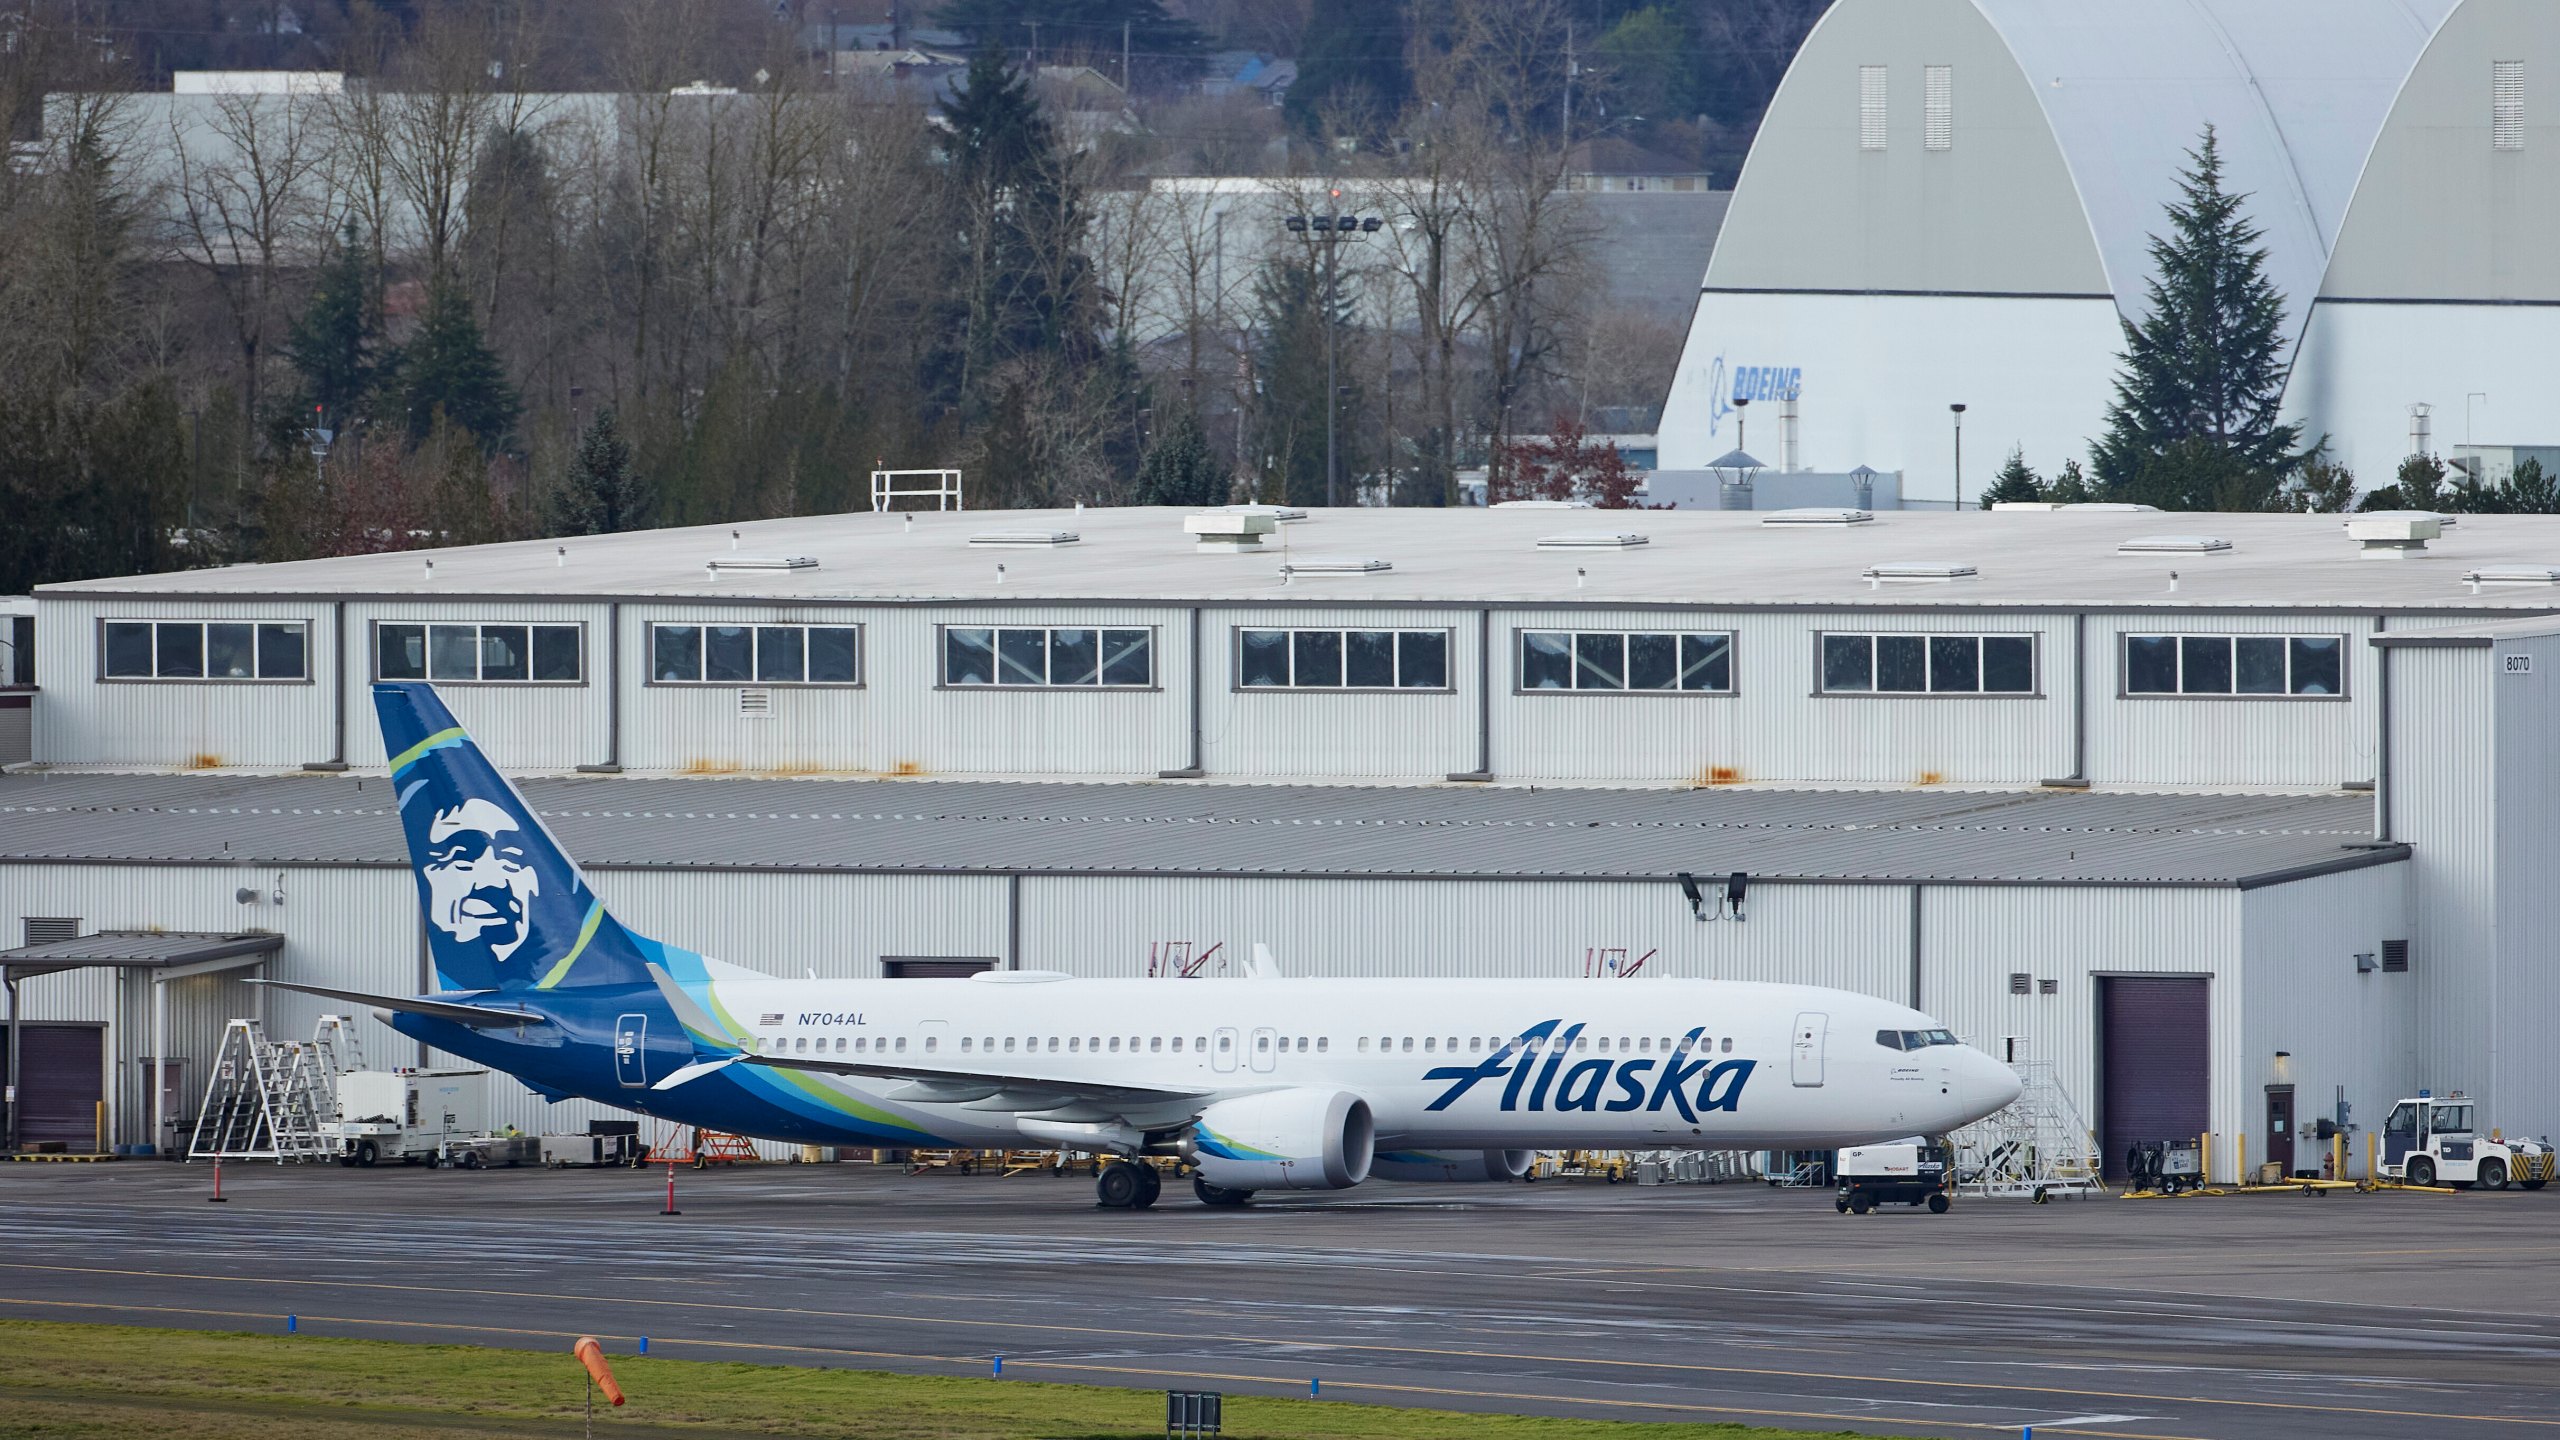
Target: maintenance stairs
[2037,1148]
[271,1100]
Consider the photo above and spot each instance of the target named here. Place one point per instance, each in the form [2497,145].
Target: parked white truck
[412,1116]
[2430,1140]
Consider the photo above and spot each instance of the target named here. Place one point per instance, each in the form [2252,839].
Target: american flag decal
[771,1017]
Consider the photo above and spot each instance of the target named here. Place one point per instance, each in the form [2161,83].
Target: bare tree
[246,208]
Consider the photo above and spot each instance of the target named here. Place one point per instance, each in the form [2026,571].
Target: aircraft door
[1265,1044]
[1222,1051]
[631,1051]
[1812,1028]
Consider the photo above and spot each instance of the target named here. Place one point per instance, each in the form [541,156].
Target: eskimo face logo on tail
[480,889]
[1535,1072]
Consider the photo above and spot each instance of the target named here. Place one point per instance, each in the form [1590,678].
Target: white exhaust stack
[2421,430]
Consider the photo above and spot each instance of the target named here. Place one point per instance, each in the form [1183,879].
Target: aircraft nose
[1989,1084]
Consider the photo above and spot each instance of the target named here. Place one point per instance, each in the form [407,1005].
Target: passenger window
[1226,1042]
[1115,1044]
[1200,1042]
[1177,1044]
[1008,1044]
[1429,1044]
[1155,1043]
[1604,1044]
[1581,1042]
[902,1044]
[1408,1044]
[1728,1044]
[1323,1043]
[1053,1044]
[1364,1044]
[931,1041]
[1261,1042]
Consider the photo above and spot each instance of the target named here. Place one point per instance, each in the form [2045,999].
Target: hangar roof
[2062,559]
[804,825]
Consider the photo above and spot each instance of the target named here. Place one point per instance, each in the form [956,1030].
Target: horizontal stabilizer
[478,1017]
[694,1071]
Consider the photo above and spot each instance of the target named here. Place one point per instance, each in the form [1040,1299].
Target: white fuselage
[1614,1064]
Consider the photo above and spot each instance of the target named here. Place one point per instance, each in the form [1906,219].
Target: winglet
[696,1020]
[1261,966]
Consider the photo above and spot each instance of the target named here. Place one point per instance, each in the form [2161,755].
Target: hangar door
[2155,1061]
[61,1079]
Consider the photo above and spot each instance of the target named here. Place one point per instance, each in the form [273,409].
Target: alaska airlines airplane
[1255,1083]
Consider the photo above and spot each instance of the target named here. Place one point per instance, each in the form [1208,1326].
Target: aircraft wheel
[1118,1187]
[1218,1195]
[1150,1185]
[2420,1170]
[1938,1204]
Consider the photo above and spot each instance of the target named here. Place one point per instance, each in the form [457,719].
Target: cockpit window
[1914,1039]
[1889,1039]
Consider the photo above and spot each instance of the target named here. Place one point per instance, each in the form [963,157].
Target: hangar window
[1871,114]
[2506,104]
[489,653]
[1023,658]
[1938,107]
[221,650]
[1342,659]
[1621,661]
[2299,666]
[689,654]
[1928,664]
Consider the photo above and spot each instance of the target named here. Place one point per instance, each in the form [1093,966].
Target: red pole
[216,1197]
[671,1191]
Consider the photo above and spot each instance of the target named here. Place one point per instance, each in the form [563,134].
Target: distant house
[1247,72]
[1611,164]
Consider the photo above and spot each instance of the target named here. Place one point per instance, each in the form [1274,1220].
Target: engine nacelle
[1452,1166]
[1285,1140]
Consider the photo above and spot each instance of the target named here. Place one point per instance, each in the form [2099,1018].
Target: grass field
[64,1381]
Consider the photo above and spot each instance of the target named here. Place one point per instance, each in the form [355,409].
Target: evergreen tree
[448,370]
[2194,418]
[334,342]
[2418,486]
[2321,487]
[2532,490]
[1179,470]
[602,493]
[2017,483]
[1289,365]
[1164,46]
[2070,486]
[1351,65]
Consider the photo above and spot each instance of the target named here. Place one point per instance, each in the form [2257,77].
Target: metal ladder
[265,1101]
[2039,1146]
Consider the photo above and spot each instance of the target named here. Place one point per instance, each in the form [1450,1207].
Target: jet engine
[1284,1140]
[1447,1166]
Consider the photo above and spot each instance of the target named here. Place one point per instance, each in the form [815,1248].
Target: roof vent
[2513,575]
[2174,545]
[1541,505]
[1333,565]
[2109,507]
[2395,534]
[1999,505]
[1281,513]
[762,562]
[1592,540]
[1025,538]
[1917,572]
[1230,531]
[1817,515]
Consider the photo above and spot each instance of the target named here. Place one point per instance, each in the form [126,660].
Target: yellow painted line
[586,932]
[1447,1392]
[408,757]
[1435,1352]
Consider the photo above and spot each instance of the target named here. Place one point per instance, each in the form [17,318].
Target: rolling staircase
[267,1099]
[2037,1148]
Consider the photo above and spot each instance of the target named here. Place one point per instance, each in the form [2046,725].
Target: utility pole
[1124,57]
[1568,82]
[1332,392]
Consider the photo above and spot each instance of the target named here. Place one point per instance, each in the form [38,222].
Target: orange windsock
[591,1355]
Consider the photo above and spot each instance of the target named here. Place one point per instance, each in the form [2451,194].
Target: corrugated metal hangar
[1950,202]
[2189,816]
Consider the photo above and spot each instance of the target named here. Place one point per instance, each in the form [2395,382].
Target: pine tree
[447,369]
[335,341]
[2017,483]
[2194,419]
[2321,487]
[2532,490]
[1289,365]
[2070,486]
[1351,66]
[602,493]
[1179,470]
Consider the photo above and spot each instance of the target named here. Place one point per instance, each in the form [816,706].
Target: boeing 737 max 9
[1257,1083]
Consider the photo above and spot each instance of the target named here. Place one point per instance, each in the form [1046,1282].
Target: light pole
[1958,411]
[319,436]
[1742,422]
[2471,456]
[1332,230]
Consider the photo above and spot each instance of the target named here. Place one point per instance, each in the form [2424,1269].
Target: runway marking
[1155,1373]
[1684,1367]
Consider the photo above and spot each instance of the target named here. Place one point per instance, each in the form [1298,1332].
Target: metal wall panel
[1975,937]
[523,727]
[2175,740]
[81,720]
[2304,996]
[2516,1017]
[1062,732]
[1776,725]
[2445,795]
[699,730]
[1297,734]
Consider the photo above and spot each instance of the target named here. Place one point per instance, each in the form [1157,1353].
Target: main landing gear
[1127,1185]
[1218,1195]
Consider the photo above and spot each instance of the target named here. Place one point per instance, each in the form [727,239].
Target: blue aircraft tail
[505,906]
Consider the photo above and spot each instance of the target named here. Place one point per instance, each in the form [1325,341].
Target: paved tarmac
[2265,1317]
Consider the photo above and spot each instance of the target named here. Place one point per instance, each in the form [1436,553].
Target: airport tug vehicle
[1911,1172]
[2429,1140]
